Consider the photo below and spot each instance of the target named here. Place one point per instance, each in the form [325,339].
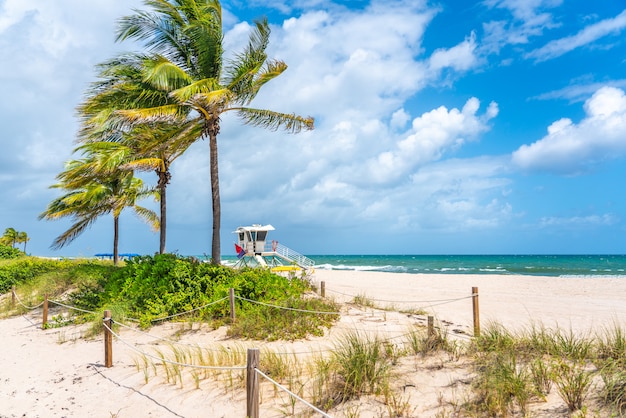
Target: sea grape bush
[8,252]
[154,287]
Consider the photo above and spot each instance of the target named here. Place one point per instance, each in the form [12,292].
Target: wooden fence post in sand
[252,384]
[231,296]
[13,297]
[431,327]
[44,322]
[108,339]
[476,311]
[323,289]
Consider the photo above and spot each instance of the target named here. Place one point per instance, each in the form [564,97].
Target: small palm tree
[22,237]
[10,237]
[92,189]
[185,43]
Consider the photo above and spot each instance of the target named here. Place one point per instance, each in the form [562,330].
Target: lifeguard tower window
[261,235]
[241,236]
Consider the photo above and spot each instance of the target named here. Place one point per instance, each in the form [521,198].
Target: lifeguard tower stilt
[254,250]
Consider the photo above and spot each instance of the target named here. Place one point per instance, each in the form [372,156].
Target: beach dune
[53,373]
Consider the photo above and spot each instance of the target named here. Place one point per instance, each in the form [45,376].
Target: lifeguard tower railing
[288,254]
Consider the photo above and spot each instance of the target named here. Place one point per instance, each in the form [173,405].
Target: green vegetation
[12,237]
[152,289]
[7,252]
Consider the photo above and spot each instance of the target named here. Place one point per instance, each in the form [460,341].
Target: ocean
[534,265]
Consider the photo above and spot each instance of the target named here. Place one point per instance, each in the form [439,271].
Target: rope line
[290,393]
[285,308]
[217,350]
[71,307]
[404,301]
[26,306]
[193,310]
[164,360]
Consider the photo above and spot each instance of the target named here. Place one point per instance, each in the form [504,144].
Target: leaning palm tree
[10,237]
[91,190]
[22,237]
[185,43]
[149,146]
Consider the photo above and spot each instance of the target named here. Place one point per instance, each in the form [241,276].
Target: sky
[441,127]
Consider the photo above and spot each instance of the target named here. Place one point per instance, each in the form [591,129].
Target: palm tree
[94,189]
[151,146]
[22,237]
[185,43]
[10,237]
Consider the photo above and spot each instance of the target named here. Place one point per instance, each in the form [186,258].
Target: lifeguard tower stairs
[254,250]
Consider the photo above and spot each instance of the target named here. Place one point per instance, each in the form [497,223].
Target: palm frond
[149,216]
[289,122]
[73,232]
[164,74]
[204,86]
[166,113]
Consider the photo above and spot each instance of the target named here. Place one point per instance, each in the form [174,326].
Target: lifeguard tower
[254,250]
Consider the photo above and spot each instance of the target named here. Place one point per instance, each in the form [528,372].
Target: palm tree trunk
[116,228]
[163,207]
[215,193]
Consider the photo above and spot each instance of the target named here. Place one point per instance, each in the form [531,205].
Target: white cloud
[432,134]
[529,19]
[461,57]
[607,219]
[578,92]
[571,148]
[589,34]
[525,10]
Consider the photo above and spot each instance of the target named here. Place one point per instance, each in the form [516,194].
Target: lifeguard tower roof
[255,227]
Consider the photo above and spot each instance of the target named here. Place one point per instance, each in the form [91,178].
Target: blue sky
[495,126]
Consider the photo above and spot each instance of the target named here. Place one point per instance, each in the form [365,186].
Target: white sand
[52,374]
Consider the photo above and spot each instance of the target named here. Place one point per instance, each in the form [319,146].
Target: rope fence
[252,363]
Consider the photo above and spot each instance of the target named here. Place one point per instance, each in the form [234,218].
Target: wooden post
[231,296]
[108,339]
[44,323]
[431,327]
[252,384]
[476,311]
[13,297]
[323,289]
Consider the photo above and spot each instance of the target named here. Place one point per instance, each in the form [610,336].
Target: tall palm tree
[92,190]
[185,43]
[148,146]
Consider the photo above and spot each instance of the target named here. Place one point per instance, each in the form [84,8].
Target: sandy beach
[55,373]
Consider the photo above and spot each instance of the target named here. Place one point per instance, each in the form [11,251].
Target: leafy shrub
[157,287]
[8,253]
[20,270]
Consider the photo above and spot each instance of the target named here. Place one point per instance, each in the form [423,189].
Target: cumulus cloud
[589,34]
[571,148]
[432,134]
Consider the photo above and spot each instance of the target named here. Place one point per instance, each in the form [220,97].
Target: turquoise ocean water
[535,265]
